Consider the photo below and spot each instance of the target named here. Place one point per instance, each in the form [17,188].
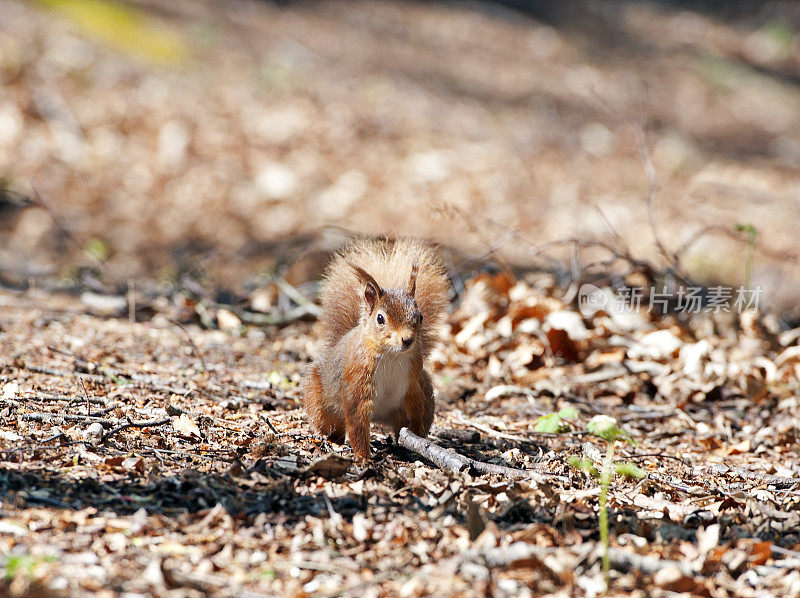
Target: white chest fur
[391,383]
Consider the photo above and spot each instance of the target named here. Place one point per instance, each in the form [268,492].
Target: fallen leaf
[329,466]
[186,426]
[228,321]
[10,390]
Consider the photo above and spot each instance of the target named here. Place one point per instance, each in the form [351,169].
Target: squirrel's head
[391,316]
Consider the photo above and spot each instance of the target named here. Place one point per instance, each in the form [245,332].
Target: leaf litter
[160,465]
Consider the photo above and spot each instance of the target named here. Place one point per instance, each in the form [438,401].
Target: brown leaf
[475,520]
[760,554]
[329,466]
[186,426]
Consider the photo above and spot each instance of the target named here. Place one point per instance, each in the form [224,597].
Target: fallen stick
[441,457]
[779,482]
[150,423]
[107,373]
[294,314]
[452,461]
[62,417]
[623,561]
[62,373]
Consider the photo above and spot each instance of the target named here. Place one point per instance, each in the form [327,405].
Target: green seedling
[554,423]
[625,469]
[607,428]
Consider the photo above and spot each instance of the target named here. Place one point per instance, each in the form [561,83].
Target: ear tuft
[412,281]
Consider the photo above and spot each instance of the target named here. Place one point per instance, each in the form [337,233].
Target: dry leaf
[329,466]
[186,426]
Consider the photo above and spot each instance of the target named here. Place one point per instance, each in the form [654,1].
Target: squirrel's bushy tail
[389,262]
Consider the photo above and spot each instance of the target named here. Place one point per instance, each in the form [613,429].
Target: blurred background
[146,139]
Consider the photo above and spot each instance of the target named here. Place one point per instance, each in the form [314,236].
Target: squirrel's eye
[381,320]
[420,318]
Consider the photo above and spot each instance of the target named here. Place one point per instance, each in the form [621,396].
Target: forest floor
[172,178]
[152,457]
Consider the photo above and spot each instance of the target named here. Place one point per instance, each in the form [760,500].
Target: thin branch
[297,296]
[623,560]
[294,314]
[150,423]
[62,373]
[192,344]
[57,418]
[63,226]
[770,480]
[652,180]
[454,462]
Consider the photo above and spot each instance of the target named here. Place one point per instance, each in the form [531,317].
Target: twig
[175,410]
[623,560]
[39,447]
[192,344]
[770,480]
[150,423]
[265,419]
[497,244]
[189,454]
[655,455]
[612,230]
[108,373]
[296,295]
[86,395]
[452,461]
[62,417]
[62,373]
[652,180]
[441,457]
[294,314]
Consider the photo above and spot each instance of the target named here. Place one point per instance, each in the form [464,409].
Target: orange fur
[382,302]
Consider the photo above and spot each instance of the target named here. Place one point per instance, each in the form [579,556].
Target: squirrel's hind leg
[321,417]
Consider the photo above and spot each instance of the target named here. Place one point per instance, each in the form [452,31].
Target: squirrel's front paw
[361,455]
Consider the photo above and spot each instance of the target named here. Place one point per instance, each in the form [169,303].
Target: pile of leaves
[167,457]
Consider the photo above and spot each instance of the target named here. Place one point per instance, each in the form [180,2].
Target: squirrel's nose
[407,340]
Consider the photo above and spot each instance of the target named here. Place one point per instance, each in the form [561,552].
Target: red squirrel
[382,302]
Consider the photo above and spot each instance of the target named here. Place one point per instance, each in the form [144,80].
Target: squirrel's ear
[372,290]
[412,282]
